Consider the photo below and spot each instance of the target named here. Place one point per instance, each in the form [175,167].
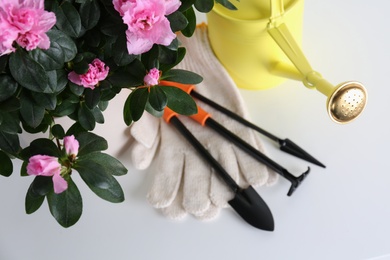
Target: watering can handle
[277,9]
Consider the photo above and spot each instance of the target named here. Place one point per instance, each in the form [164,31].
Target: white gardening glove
[184,182]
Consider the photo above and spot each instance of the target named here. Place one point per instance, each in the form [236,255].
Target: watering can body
[240,40]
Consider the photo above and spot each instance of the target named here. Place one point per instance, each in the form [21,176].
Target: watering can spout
[345,101]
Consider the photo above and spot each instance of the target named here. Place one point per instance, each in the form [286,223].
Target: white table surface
[341,212]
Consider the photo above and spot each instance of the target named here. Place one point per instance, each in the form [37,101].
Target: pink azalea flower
[44,165]
[71,145]
[152,77]
[26,22]
[97,71]
[147,23]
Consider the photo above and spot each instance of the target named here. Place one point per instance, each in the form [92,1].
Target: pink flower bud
[97,71]
[71,145]
[152,77]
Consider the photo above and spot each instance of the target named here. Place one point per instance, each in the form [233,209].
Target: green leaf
[85,117]
[47,101]
[177,21]
[92,97]
[44,146]
[61,41]
[180,53]
[9,143]
[129,76]
[100,181]
[127,111]
[90,14]
[98,115]
[81,67]
[10,123]
[65,108]
[3,62]
[89,142]
[179,101]
[182,76]
[58,131]
[68,19]
[191,18]
[31,112]
[36,193]
[185,4]
[157,98]
[110,164]
[27,72]
[67,206]
[6,167]
[120,53]
[152,111]
[138,101]
[204,6]
[8,87]
[227,4]
[52,58]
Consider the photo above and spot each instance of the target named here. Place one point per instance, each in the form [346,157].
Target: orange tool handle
[201,117]
[185,87]
[168,114]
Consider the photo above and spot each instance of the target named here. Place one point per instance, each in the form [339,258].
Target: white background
[341,212]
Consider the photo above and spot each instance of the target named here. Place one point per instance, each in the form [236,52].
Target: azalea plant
[69,58]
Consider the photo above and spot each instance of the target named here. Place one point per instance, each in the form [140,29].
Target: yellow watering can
[244,42]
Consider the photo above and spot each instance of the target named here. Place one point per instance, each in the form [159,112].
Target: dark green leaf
[47,101]
[61,41]
[120,53]
[68,19]
[27,72]
[227,4]
[138,101]
[185,4]
[81,67]
[10,123]
[65,108]
[182,76]
[180,53]
[45,147]
[9,143]
[3,62]
[152,111]
[10,105]
[85,117]
[157,98]
[92,97]
[89,13]
[177,21]
[52,58]
[98,115]
[6,167]
[204,6]
[90,142]
[8,87]
[127,111]
[58,131]
[36,193]
[191,18]
[129,76]
[99,181]
[179,101]
[111,165]
[67,206]
[31,112]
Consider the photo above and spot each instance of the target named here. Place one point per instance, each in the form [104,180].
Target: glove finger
[141,156]
[210,214]
[169,171]
[145,130]
[196,184]
[175,210]
[220,193]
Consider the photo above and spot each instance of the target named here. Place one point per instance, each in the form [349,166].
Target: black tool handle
[204,153]
[233,115]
